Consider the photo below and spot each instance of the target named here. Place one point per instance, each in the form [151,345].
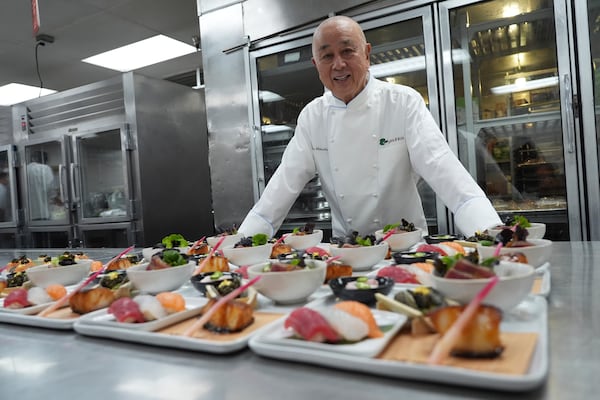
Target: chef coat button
[349,220]
[375,221]
[341,196]
[375,195]
[375,166]
[374,136]
[336,169]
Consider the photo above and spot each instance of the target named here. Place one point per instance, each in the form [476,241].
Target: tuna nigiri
[310,325]
[126,310]
[363,312]
[17,299]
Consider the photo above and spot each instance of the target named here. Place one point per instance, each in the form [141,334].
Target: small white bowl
[45,274]
[159,280]
[289,287]
[361,258]
[303,242]
[515,284]
[248,255]
[537,230]
[148,252]
[536,255]
[401,240]
[230,240]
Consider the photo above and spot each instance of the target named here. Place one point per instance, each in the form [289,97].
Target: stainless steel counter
[37,363]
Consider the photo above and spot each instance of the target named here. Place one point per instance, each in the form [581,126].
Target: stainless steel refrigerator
[113,164]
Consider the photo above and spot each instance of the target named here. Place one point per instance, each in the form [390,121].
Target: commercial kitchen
[512,84]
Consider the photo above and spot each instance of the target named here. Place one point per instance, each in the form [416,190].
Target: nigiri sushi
[171,302]
[311,325]
[17,299]
[363,312]
[38,295]
[150,307]
[126,310]
[348,326]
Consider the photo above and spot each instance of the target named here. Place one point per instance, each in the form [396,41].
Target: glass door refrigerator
[9,207]
[73,183]
[510,113]
[284,80]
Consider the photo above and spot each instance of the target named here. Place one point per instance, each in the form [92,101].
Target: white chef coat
[369,155]
[39,182]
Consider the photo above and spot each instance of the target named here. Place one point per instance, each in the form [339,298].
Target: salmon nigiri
[363,312]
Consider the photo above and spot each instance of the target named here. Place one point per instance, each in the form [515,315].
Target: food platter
[388,321]
[62,319]
[532,320]
[104,318]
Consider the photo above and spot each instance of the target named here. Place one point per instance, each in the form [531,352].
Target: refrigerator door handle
[569,113]
[61,184]
[74,195]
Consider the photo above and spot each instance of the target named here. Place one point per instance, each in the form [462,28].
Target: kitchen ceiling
[82,28]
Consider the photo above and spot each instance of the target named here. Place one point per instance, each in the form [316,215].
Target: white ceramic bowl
[537,230]
[159,280]
[303,242]
[361,258]
[515,284]
[229,241]
[44,275]
[536,255]
[248,255]
[148,252]
[402,240]
[289,287]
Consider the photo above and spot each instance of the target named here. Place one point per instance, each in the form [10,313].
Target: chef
[369,141]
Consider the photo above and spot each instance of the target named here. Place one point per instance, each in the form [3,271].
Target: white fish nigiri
[37,295]
[150,307]
[345,324]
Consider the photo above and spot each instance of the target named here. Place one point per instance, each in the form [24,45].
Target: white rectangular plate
[103,318]
[34,320]
[530,316]
[392,322]
[25,310]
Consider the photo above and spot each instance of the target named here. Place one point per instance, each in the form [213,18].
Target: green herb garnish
[259,239]
[174,240]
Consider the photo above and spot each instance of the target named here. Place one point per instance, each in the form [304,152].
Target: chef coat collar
[359,100]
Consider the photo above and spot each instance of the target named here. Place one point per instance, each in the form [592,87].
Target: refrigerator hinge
[128,140]
[133,209]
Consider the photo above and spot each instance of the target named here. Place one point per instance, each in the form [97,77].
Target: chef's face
[341,55]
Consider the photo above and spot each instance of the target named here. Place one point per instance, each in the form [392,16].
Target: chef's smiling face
[341,55]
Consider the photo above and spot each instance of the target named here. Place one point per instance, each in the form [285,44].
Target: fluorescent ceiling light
[411,64]
[140,54]
[268,97]
[14,93]
[520,85]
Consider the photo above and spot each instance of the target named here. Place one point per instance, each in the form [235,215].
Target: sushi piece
[126,310]
[38,295]
[311,325]
[17,299]
[90,300]
[363,312]
[171,302]
[56,291]
[348,326]
[233,316]
[150,307]
[431,248]
[398,274]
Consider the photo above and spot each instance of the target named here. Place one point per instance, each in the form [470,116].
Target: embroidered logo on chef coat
[384,141]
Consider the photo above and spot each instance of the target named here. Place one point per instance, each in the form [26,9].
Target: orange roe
[56,291]
[172,302]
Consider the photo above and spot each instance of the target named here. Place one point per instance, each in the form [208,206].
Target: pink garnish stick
[210,312]
[445,344]
[388,234]
[332,259]
[498,248]
[209,256]
[281,239]
[63,300]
